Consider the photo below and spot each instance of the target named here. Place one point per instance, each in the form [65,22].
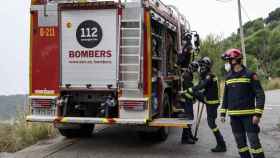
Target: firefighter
[244,100]
[184,59]
[207,91]
[187,101]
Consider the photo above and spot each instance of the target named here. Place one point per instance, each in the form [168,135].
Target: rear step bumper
[160,122]
[85,120]
[171,122]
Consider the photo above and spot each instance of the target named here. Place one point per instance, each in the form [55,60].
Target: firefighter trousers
[243,128]
[211,120]
[188,109]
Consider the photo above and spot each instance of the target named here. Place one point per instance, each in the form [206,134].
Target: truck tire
[84,131]
[160,134]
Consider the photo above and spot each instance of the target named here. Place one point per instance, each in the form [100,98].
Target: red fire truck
[105,62]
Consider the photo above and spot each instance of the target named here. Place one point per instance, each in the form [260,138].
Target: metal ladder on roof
[130,61]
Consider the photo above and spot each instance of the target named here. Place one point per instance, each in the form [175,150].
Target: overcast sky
[205,16]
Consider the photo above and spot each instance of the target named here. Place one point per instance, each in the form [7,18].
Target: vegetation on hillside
[10,104]
[262,39]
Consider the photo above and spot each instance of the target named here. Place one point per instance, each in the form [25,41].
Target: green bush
[20,134]
[6,139]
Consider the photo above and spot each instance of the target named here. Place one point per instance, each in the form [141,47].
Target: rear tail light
[133,105]
[42,103]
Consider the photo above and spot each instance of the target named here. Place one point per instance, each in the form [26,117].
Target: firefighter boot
[186,136]
[221,145]
[245,154]
[260,155]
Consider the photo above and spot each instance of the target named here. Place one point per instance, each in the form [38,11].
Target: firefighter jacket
[243,94]
[207,90]
[184,58]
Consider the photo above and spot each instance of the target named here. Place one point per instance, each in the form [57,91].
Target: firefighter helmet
[232,54]
[193,67]
[205,62]
[205,65]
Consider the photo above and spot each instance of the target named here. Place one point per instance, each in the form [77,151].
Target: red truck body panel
[44,59]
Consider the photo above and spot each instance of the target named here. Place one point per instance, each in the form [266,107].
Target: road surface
[122,142]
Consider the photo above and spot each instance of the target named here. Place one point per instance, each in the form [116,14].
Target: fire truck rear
[105,62]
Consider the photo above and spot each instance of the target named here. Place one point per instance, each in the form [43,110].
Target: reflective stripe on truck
[85,120]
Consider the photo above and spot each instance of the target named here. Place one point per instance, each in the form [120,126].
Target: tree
[257,45]
[262,46]
[212,47]
[273,16]
[253,26]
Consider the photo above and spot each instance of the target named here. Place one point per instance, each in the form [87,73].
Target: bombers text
[90,53]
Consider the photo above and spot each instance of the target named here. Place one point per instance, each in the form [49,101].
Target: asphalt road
[122,142]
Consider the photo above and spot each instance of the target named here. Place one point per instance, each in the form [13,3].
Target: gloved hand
[182,92]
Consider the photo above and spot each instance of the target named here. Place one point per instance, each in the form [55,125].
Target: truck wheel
[157,135]
[84,131]
[162,133]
